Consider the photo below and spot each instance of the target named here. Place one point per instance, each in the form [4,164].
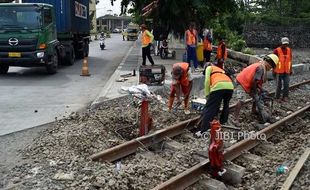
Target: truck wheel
[52,67]
[4,69]
[69,59]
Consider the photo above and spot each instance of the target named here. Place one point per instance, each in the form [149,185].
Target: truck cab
[28,37]
[39,33]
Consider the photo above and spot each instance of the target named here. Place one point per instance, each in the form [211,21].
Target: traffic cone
[85,71]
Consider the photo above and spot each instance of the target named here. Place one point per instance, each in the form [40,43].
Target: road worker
[207,46]
[191,39]
[283,69]
[218,88]
[147,39]
[251,80]
[221,54]
[181,81]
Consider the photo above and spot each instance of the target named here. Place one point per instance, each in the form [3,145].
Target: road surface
[29,97]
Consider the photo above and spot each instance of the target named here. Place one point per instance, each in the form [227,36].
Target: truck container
[71,15]
[43,33]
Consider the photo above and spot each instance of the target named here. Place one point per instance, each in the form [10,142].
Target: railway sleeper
[211,184]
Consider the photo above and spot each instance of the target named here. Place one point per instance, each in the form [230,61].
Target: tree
[175,15]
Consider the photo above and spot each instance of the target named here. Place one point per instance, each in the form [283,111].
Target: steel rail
[191,175]
[129,147]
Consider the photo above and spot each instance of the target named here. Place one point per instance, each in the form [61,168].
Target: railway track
[178,132]
[130,147]
[191,175]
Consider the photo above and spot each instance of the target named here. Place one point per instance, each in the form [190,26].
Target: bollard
[85,71]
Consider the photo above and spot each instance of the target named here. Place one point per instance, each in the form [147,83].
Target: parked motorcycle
[101,42]
[164,51]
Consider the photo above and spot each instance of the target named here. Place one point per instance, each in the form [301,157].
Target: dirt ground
[56,156]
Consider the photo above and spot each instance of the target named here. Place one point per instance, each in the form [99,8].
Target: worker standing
[181,80]
[283,69]
[147,39]
[124,34]
[191,38]
[251,80]
[221,54]
[218,88]
[207,46]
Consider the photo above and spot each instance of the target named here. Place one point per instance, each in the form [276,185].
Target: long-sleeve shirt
[218,86]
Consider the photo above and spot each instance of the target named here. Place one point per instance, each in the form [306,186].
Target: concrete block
[298,68]
[173,145]
[254,59]
[250,157]
[306,67]
[212,184]
[233,174]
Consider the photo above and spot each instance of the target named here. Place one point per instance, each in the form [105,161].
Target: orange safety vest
[207,45]
[246,76]
[190,37]
[184,78]
[145,38]
[218,75]
[285,61]
[219,54]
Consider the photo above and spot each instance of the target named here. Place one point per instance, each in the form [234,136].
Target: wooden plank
[289,181]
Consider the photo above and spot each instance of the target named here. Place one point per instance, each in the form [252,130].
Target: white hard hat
[285,40]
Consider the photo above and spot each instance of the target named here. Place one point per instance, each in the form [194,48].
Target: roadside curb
[107,87]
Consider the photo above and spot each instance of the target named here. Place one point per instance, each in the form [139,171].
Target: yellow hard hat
[272,58]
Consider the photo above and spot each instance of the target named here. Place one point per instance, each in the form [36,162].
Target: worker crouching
[251,80]
[181,80]
[218,88]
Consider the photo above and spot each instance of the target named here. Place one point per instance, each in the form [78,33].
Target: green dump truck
[43,33]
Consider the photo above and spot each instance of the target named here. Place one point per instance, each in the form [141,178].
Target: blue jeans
[286,80]
[191,56]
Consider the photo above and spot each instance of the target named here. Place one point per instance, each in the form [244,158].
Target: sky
[104,6]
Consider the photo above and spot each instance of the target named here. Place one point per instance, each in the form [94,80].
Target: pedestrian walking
[218,88]
[181,81]
[207,46]
[250,82]
[147,39]
[283,70]
[191,39]
[221,54]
